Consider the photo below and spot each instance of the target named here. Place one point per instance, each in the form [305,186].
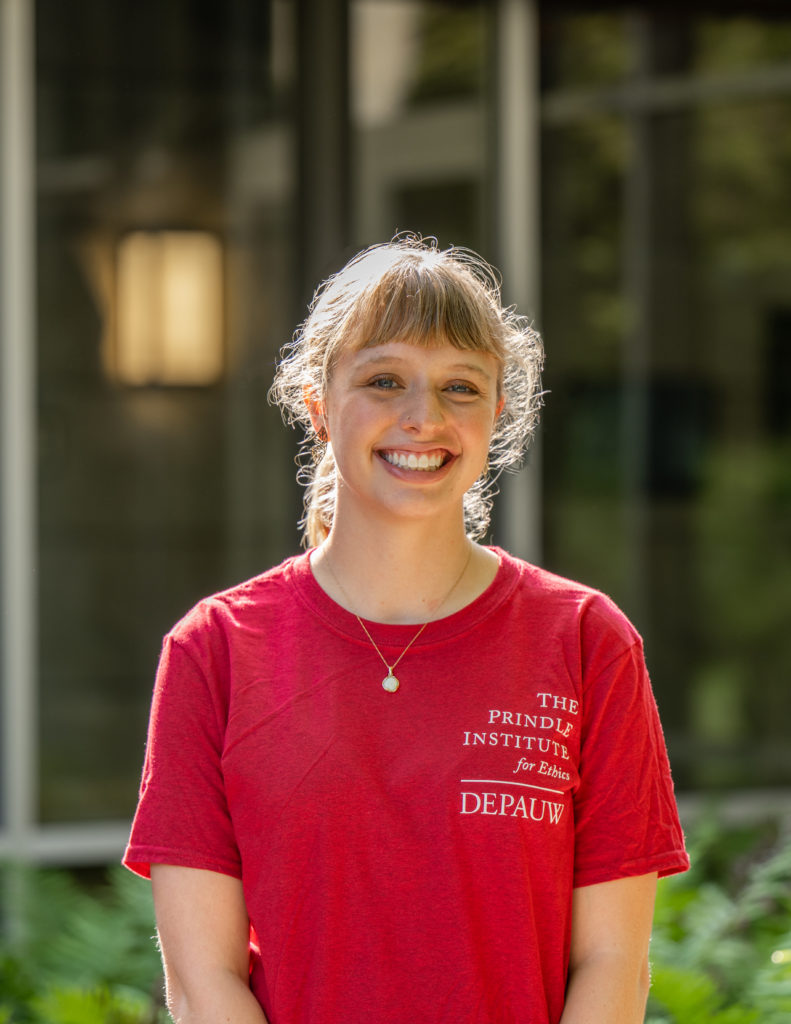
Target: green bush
[72,954]
[721,947]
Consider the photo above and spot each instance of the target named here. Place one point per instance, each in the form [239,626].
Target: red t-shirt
[411,856]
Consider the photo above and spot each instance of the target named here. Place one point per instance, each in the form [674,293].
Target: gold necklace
[390,681]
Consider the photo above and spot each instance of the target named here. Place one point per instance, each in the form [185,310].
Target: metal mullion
[517,205]
[80,844]
[18,420]
[655,94]
[637,275]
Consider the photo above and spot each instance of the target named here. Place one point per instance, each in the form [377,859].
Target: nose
[422,409]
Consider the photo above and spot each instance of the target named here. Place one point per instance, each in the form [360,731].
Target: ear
[316,411]
[499,408]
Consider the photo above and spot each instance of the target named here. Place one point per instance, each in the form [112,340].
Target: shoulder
[237,608]
[565,603]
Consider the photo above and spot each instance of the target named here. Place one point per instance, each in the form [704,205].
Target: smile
[427,462]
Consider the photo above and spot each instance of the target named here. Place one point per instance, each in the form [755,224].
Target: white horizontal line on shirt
[506,782]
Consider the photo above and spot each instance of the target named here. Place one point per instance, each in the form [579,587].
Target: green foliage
[71,954]
[721,948]
[450,54]
[81,1006]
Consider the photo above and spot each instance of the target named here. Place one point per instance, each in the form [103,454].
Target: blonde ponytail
[319,500]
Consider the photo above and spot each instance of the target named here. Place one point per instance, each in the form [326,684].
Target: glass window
[168,278]
[667,242]
[165,213]
[419,120]
[584,50]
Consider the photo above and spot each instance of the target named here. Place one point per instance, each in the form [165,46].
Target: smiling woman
[329,842]
[408,290]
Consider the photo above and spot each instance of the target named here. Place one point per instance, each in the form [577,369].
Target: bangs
[425,305]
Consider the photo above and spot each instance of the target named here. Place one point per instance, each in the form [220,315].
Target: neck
[414,572]
[402,571]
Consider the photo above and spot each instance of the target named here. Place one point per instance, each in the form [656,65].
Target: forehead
[440,355]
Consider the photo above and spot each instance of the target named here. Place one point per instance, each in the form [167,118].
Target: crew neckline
[344,622]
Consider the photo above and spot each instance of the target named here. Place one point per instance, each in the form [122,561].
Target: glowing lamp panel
[169,316]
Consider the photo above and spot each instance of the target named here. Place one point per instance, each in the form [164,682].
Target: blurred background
[178,176]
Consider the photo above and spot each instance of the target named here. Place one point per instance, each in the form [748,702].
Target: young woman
[404,777]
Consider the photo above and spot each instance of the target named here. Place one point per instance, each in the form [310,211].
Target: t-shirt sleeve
[626,821]
[182,816]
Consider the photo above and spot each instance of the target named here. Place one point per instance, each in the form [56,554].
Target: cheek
[350,430]
[486,421]
[342,418]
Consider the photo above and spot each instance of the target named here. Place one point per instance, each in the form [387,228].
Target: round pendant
[390,683]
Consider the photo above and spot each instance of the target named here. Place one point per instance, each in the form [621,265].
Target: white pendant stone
[390,683]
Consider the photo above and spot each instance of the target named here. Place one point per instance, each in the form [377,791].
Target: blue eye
[384,383]
[460,388]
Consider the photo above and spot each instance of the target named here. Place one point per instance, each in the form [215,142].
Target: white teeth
[424,462]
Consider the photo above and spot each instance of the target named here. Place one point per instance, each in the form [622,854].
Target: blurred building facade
[177,178]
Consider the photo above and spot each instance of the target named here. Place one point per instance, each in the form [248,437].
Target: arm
[204,935]
[608,967]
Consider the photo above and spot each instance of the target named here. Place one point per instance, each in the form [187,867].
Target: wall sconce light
[169,318]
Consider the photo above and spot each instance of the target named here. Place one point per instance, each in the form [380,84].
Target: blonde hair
[409,289]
